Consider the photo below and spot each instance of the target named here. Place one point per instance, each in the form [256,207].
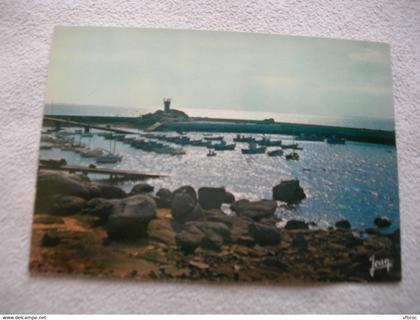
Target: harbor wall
[247,126]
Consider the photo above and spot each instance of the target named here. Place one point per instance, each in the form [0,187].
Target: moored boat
[223,146]
[335,140]
[92,153]
[214,138]
[211,153]
[275,153]
[290,146]
[292,156]
[109,158]
[240,138]
[253,149]
[269,143]
[178,152]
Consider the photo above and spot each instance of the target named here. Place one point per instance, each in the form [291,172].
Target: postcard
[216,156]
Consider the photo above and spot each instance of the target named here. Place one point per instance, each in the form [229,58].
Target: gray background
[25,34]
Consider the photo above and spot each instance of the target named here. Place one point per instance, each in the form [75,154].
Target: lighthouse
[167,104]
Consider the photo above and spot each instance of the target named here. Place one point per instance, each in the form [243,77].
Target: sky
[126,67]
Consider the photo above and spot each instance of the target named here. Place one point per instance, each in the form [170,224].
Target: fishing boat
[211,153]
[223,146]
[269,143]
[275,153]
[290,146]
[292,156]
[200,143]
[215,138]
[253,149]
[183,140]
[335,140]
[240,138]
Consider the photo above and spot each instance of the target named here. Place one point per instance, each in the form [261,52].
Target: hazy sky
[219,70]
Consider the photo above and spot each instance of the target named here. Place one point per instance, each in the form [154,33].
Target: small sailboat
[93,153]
[109,158]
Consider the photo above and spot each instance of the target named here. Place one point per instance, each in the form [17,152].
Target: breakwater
[386,137]
[354,134]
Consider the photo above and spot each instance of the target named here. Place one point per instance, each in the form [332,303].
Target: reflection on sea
[355,181]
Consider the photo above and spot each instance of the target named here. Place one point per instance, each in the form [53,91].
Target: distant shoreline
[202,124]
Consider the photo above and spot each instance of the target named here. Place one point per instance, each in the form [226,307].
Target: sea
[355,181]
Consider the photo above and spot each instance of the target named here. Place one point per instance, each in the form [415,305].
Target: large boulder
[256,210]
[164,198]
[264,234]
[343,224]
[382,222]
[229,198]
[141,188]
[288,191]
[184,205]
[211,198]
[205,234]
[190,238]
[100,208]
[52,186]
[296,224]
[130,217]
[54,183]
[67,205]
[163,230]
[106,191]
[238,226]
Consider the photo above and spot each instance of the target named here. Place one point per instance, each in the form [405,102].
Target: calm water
[356,181]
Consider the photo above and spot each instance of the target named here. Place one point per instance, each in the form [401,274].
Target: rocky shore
[83,227]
